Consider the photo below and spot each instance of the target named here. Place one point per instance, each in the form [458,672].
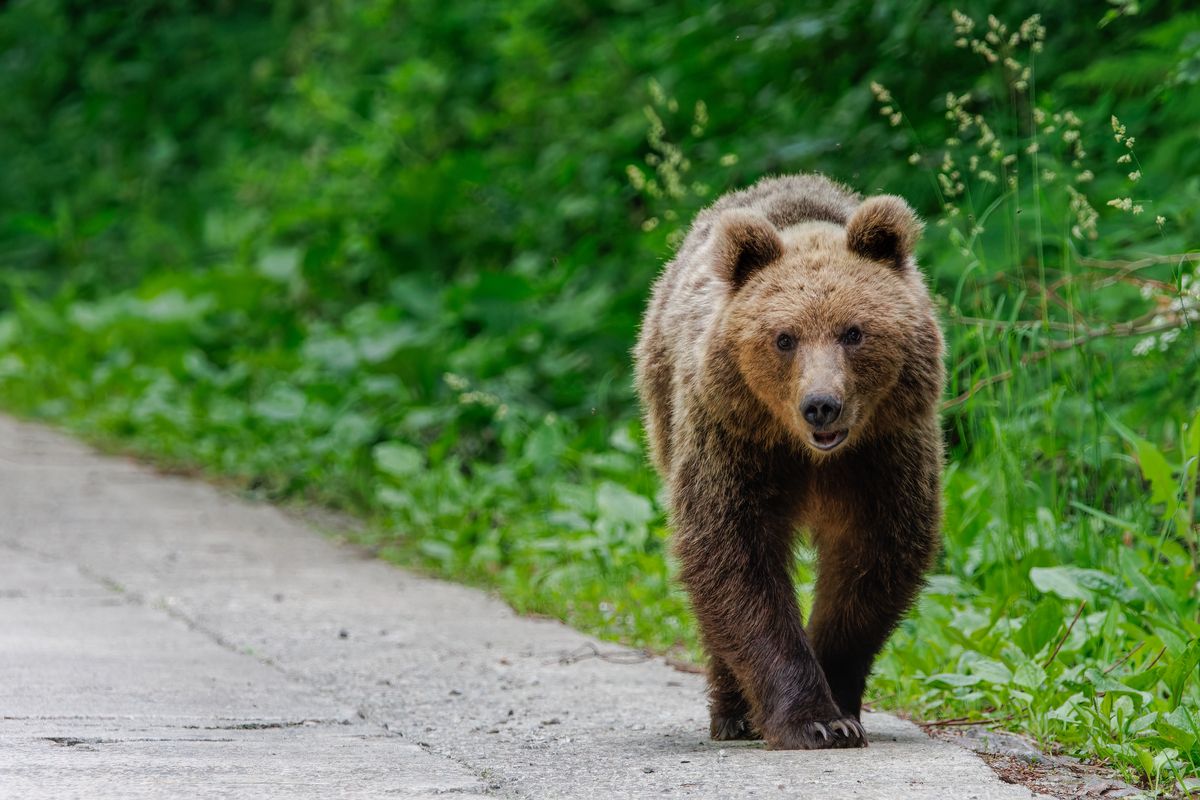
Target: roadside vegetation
[390,258]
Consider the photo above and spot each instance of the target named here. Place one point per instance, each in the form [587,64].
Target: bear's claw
[844,732]
[849,728]
[724,729]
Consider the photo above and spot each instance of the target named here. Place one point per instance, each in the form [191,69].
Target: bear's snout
[821,409]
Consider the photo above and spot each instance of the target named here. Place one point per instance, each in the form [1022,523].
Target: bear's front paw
[727,728]
[827,731]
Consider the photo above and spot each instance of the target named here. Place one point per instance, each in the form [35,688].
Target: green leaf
[544,447]
[334,352]
[1030,675]
[1144,756]
[437,550]
[1103,516]
[1133,570]
[953,679]
[1153,464]
[619,505]
[398,460]
[1178,728]
[1193,437]
[172,306]
[282,403]
[1111,686]
[950,585]
[1074,583]
[1060,581]
[1180,670]
[1040,626]
[393,498]
[992,671]
[1145,680]
[280,264]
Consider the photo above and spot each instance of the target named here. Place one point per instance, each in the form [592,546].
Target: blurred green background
[390,257]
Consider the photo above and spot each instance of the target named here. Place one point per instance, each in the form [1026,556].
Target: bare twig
[1117,331]
[1125,657]
[1140,263]
[1051,291]
[978,386]
[1020,324]
[1121,330]
[1066,633]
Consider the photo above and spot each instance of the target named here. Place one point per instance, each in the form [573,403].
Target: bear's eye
[785,342]
[852,336]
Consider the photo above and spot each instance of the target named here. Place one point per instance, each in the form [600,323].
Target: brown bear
[790,369]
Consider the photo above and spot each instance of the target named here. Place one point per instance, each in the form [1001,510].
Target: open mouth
[827,440]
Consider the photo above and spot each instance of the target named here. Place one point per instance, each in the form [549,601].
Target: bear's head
[830,326]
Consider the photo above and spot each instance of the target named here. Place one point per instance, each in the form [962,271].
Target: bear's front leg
[735,562]
[873,554]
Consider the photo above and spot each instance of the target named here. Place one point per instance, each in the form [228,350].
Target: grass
[476,409]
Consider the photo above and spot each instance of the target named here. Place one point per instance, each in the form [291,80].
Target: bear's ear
[884,228]
[744,242]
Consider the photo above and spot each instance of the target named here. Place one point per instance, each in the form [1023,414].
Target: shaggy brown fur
[790,367]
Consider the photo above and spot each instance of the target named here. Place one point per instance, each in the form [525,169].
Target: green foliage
[1106,659]
[391,257]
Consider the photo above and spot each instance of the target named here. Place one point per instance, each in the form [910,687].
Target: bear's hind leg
[729,711]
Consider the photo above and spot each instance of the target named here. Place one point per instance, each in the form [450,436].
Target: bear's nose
[821,409]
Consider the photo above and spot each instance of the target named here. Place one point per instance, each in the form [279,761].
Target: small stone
[647,770]
[343,634]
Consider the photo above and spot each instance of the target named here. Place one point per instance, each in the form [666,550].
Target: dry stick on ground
[626,657]
[948,723]
[680,665]
[589,650]
[1066,633]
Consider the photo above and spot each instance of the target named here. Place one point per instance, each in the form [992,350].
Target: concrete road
[160,639]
